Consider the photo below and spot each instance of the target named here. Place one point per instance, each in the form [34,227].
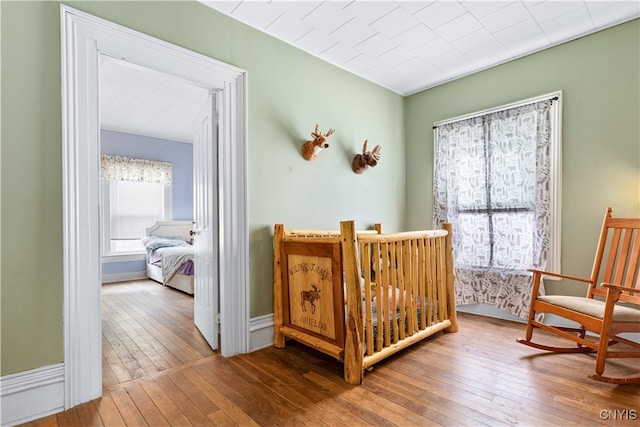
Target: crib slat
[431,268]
[422,282]
[442,285]
[365,251]
[385,295]
[413,284]
[399,265]
[377,262]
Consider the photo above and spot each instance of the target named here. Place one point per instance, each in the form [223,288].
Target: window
[497,179]
[135,194]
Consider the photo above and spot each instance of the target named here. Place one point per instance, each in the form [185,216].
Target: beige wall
[599,76]
[289,92]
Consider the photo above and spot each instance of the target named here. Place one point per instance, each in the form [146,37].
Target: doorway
[147,117]
[84,38]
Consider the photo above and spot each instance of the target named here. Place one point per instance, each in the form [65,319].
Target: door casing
[83,38]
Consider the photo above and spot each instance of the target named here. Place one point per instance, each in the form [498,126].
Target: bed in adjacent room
[169,254]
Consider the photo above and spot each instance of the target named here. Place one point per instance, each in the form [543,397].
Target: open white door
[205,242]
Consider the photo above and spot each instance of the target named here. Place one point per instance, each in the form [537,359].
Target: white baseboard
[123,277]
[32,394]
[260,332]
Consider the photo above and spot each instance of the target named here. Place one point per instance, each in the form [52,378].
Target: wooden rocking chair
[612,304]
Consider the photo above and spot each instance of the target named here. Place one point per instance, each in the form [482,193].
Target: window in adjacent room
[497,180]
[136,193]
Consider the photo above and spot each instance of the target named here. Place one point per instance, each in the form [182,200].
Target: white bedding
[170,255]
[172,259]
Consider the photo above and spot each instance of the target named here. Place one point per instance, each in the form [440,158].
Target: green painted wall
[599,76]
[289,92]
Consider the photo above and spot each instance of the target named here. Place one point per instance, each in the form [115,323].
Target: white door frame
[83,38]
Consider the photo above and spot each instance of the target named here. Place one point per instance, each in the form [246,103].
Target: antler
[316,133]
[364,147]
[376,152]
[329,133]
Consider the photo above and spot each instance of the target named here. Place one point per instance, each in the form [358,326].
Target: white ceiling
[409,46]
[405,46]
[142,101]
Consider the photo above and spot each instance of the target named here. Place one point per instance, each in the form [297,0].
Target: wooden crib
[327,285]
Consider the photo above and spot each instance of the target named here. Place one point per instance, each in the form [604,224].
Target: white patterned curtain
[118,168]
[492,182]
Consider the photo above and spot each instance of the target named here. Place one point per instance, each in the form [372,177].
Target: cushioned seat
[592,307]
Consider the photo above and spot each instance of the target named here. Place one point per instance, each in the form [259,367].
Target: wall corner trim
[32,394]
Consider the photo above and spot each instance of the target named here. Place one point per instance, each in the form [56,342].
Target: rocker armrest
[620,288]
[562,276]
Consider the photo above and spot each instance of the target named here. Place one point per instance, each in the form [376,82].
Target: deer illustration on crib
[310,296]
[310,149]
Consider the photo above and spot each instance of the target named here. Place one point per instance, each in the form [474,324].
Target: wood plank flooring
[146,328]
[478,376]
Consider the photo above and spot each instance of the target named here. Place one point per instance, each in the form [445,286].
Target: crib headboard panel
[312,290]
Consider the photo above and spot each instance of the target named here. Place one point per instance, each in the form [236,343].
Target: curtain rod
[551,97]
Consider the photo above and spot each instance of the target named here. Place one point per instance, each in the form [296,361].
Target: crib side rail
[406,291]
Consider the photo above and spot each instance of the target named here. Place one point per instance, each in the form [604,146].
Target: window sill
[136,256]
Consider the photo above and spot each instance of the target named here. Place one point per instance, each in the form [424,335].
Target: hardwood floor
[478,376]
[146,328]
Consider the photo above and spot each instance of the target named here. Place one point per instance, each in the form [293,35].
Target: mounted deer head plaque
[310,149]
[367,159]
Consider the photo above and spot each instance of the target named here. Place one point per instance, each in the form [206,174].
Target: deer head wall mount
[310,149]
[367,159]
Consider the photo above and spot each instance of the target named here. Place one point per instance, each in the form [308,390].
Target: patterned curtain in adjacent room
[118,168]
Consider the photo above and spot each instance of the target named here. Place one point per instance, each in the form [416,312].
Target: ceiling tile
[484,8]
[615,14]
[473,41]
[563,27]
[492,53]
[316,42]
[439,13]
[434,48]
[327,17]
[368,12]
[394,23]
[394,57]
[257,14]
[360,64]
[353,32]
[288,29]
[448,60]
[296,9]
[414,6]
[340,53]
[552,9]
[526,46]
[524,30]
[416,37]
[505,17]
[459,27]
[376,45]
